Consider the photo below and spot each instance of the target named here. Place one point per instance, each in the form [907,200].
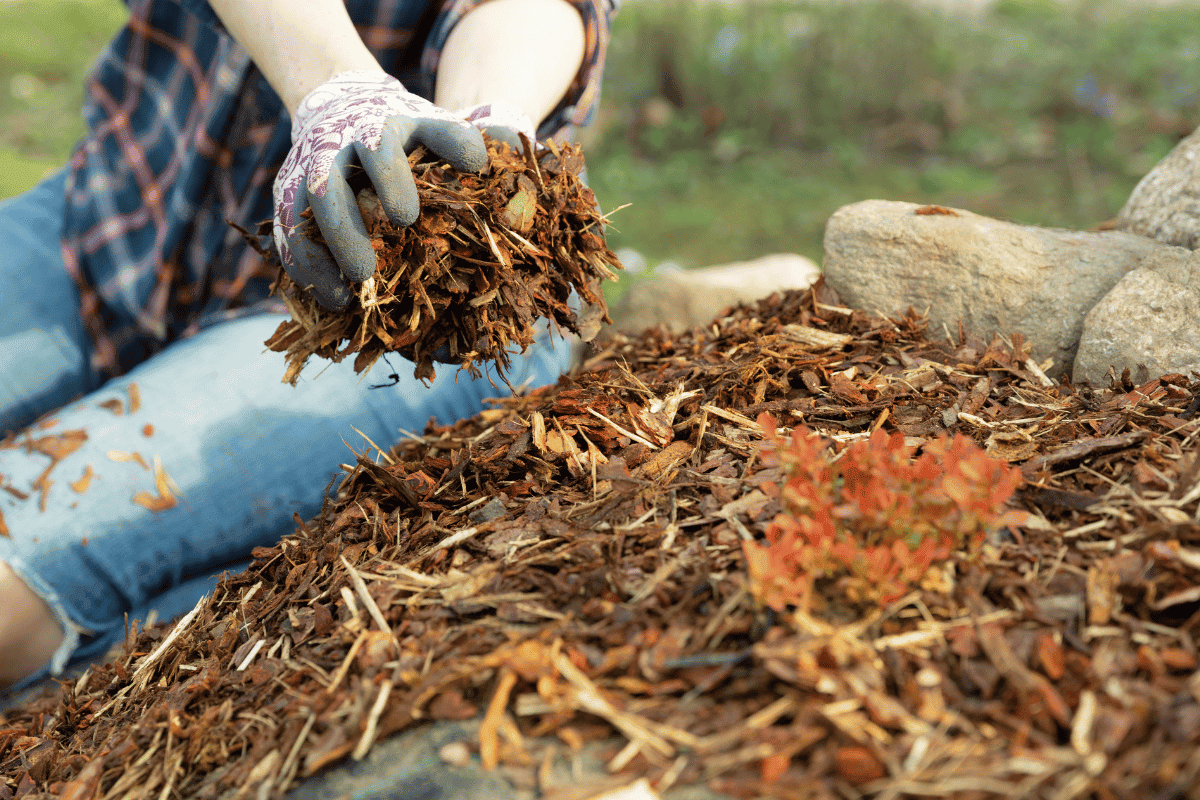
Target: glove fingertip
[504,134]
[315,269]
[345,233]
[463,147]
[387,167]
[466,159]
[474,162]
[475,153]
[337,299]
[358,268]
[401,210]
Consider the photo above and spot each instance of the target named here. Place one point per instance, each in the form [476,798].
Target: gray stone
[690,298]
[1165,205]
[997,277]
[1149,322]
[410,766]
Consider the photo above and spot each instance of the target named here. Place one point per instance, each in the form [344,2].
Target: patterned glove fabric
[368,118]
[500,120]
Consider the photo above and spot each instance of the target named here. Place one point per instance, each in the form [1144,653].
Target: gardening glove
[502,121]
[366,116]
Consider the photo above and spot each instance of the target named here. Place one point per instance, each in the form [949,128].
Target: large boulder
[1165,205]
[994,276]
[690,298]
[1149,322]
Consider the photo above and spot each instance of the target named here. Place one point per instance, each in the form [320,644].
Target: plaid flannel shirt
[186,136]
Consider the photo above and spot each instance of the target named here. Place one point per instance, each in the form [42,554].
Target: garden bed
[570,566]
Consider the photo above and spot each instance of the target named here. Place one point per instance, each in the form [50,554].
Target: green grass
[45,52]
[1041,112]
[694,211]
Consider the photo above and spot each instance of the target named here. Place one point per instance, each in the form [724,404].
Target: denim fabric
[243,451]
[44,349]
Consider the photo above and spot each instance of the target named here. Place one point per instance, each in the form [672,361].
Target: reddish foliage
[873,520]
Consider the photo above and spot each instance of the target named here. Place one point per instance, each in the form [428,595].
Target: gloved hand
[500,120]
[368,115]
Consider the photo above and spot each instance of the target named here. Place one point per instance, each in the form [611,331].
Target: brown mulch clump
[569,564]
[489,257]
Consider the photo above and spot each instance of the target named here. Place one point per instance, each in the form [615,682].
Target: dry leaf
[80,486]
[122,456]
[114,405]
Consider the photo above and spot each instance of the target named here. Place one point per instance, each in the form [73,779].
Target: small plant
[870,524]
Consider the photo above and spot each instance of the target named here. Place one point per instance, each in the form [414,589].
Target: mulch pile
[568,566]
[489,257]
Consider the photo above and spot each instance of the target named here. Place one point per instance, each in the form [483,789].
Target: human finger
[314,268]
[387,167]
[458,142]
[341,223]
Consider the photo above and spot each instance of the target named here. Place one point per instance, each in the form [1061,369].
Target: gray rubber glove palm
[368,117]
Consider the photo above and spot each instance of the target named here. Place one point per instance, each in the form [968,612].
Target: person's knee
[29,632]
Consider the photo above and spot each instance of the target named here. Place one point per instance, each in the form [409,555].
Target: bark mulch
[489,257]
[568,566]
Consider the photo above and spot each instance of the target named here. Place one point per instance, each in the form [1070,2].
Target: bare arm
[525,52]
[298,46]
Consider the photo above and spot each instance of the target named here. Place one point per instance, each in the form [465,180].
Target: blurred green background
[736,129]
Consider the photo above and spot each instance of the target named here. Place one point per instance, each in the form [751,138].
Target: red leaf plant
[872,522]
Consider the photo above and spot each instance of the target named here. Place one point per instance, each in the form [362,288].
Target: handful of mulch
[490,256]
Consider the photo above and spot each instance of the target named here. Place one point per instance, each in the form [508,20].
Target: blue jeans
[244,452]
